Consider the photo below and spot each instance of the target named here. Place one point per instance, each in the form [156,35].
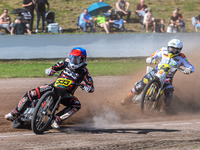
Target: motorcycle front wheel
[150,96]
[42,116]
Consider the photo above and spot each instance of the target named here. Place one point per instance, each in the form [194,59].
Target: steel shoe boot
[128,99]
[17,123]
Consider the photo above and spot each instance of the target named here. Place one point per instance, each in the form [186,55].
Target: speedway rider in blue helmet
[73,69]
[171,53]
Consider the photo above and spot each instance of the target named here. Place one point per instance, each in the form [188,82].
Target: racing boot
[55,123]
[128,99]
[164,108]
[10,116]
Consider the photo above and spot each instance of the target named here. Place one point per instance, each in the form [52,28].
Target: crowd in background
[21,25]
[115,18]
[146,18]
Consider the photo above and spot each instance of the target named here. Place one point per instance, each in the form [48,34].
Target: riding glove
[49,72]
[150,60]
[87,88]
[187,71]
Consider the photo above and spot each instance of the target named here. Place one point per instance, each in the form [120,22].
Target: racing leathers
[74,78]
[176,62]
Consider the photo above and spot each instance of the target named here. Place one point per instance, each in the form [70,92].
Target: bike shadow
[92,130]
[72,130]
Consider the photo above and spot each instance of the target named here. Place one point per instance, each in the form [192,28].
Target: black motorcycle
[44,112]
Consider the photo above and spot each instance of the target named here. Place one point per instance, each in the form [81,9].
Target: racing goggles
[174,50]
[76,60]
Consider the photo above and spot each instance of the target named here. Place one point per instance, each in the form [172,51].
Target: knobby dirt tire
[149,105]
[43,109]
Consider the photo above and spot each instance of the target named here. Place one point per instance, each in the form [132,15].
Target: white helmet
[175,46]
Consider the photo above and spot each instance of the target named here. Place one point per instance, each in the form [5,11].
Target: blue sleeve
[89,17]
[80,19]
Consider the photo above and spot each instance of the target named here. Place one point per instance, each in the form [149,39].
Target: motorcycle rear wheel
[150,97]
[42,116]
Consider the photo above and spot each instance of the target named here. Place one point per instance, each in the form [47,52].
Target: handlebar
[81,86]
[181,69]
[56,73]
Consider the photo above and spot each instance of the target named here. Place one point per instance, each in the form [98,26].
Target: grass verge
[97,67]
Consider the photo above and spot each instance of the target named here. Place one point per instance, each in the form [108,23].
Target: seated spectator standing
[86,21]
[5,20]
[116,21]
[140,10]
[19,28]
[122,9]
[101,21]
[174,23]
[180,19]
[149,20]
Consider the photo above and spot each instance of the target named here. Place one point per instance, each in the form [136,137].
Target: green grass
[115,67]
[36,68]
[17,69]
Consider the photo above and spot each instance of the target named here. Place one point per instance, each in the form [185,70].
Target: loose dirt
[103,123]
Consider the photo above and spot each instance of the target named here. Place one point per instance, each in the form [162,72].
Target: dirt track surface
[103,123]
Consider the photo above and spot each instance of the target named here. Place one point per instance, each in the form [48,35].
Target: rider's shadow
[73,130]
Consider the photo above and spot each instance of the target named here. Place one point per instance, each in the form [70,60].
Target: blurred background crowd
[106,16]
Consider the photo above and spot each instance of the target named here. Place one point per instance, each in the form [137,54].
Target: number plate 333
[62,83]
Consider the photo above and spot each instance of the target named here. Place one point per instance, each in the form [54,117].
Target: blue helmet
[77,57]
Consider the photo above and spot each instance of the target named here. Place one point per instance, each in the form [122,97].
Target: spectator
[101,21]
[5,20]
[197,25]
[174,22]
[122,9]
[149,20]
[117,22]
[41,11]
[180,20]
[19,28]
[101,0]
[161,26]
[86,21]
[140,10]
[30,5]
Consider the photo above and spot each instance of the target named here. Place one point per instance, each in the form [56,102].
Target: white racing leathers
[175,62]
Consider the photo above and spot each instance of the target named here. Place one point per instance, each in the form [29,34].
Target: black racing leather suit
[73,104]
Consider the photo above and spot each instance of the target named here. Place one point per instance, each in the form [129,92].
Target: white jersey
[176,61]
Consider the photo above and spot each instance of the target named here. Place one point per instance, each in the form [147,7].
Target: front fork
[54,108]
[160,91]
[155,103]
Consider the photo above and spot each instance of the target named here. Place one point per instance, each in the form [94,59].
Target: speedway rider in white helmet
[170,54]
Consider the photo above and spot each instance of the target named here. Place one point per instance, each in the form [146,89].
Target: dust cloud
[103,107]
[105,117]
[187,87]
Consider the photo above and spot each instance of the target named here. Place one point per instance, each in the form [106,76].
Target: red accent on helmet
[182,55]
[76,52]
